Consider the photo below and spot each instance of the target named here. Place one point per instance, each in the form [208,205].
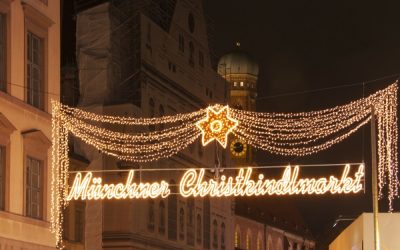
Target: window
[3,53]
[151,113]
[201,59]
[172,211]
[235,84]
[34,66]
[191,54]
[79,222]
[248,240]
[223,236]
[199,148]
[161,226]
[34,183]
[241,84]
[161,114]
[2,176]
[237,238]
[181,43]
[206,222]
[198,229]
[190,221]
[181,224]
[259,244]
[66,226]
[215,234]
[191,22]
[150,215]
[270,246]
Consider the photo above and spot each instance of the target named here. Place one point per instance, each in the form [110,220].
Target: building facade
[29,80]
[255,225]
[151,58]
[240,70]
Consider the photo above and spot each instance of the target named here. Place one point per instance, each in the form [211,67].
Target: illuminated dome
[237,62]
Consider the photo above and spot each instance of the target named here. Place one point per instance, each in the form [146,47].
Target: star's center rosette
[217,125]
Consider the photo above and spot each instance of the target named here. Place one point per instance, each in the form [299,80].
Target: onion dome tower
[240,70]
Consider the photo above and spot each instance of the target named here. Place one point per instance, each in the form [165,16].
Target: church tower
[240,70]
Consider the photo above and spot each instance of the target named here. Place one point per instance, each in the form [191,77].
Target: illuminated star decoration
[217,125]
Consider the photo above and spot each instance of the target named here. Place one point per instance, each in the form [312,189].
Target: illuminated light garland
[216,125]
[281,133]
[89,188]
[193,184]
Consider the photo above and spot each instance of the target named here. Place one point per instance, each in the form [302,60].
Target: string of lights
[291,134]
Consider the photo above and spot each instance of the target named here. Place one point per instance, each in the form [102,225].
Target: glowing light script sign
[193,183]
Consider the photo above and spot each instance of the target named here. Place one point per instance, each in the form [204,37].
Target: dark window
[151,113]
[181,224]
[66,226]
[206,223]
[201,59]
[150,215]
[3,53]
[34,65]
[223,236]
[34,188]
[2,176]
[79,222]
[191,22]
[199,228]
[215,234]
[181,43]
[161,114]
[172,212]
[191,54]
[161,226]
[190,222]
[200,148]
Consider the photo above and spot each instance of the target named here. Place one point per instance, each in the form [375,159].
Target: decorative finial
[238,44]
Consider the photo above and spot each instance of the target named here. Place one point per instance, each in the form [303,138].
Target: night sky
[303,47]
[306,51]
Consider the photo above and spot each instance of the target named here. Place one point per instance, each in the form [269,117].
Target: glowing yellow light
[217,125]
[89,188]
[193,184]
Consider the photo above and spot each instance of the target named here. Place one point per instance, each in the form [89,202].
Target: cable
[225,168]
[330,88]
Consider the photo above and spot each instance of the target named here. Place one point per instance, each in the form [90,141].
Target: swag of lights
[289,134]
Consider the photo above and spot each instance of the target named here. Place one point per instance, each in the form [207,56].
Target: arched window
[248,240]
[191,54]
[206,222]
[223,236]
[237,237]
[181,224]
[172,212]
[150,215]
[161,226]
[279,245]
[200,148]
[199,228]
[190,221]
[259,242]
[215,234]
[270,246]
[161,113]
[151,112]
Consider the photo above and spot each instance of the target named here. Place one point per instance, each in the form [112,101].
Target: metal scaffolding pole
[375,205]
